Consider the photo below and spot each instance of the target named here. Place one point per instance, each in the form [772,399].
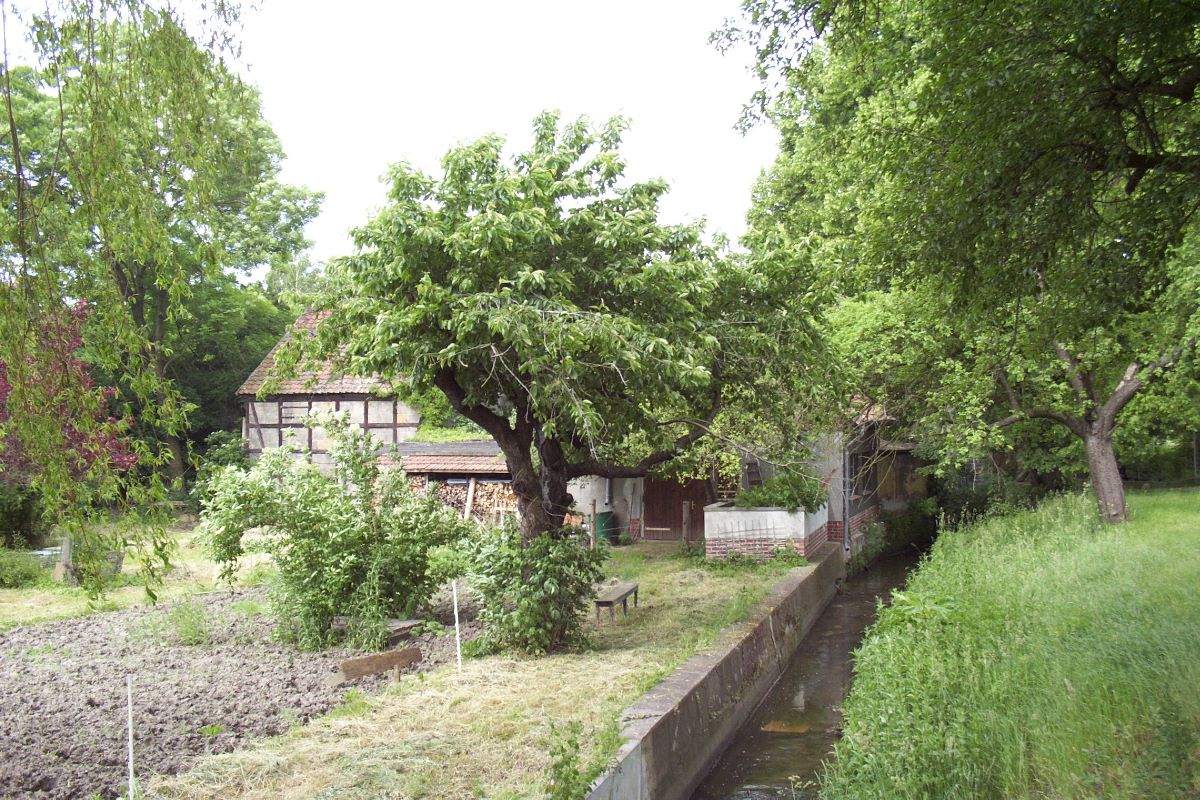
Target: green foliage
[18,570]
[355,543]
[354,704]
[537,284]
[22,523]
[217,338]
[1035,654]
[188,623]
[874,542]
[136,167]
[1007,199]
[447,562]
[533,596]
[221,449]
[565,777]
[734,563]
[792,490]
[913,526]
[216,729]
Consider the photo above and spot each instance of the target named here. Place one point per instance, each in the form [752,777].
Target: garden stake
[129,702]
[457,633]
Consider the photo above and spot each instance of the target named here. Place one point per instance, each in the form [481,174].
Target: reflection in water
[778,753]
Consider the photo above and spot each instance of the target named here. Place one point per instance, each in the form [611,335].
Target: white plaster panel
[266,413]
[728,522]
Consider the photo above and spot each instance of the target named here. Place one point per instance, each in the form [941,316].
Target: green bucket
[606,526]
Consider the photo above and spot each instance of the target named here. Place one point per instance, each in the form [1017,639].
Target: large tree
[553,309]
[134,166]
[1027,169]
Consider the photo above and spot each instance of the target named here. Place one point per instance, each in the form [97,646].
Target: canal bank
[779,752]
[674,733]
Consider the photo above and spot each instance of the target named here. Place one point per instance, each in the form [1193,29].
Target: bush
[354,544]
[221,449]
[790,490]
[532,597]
[18,570]
[21,520]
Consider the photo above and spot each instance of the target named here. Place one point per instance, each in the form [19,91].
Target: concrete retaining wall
[675,732]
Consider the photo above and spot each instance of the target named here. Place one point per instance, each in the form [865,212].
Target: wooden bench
[617,593]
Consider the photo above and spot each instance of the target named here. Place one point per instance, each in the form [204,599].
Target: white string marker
[457,633]
[129,698]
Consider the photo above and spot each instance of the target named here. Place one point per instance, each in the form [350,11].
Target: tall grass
[1036,655]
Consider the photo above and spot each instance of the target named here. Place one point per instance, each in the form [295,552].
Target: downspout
[846,497]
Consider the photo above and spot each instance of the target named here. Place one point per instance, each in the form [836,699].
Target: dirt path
[62,692]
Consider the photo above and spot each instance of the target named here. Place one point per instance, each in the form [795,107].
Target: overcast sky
[354,86]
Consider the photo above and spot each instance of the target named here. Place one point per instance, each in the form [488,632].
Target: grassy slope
[486,732]
[1037,655]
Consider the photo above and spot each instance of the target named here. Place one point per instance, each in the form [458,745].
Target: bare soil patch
[63,699]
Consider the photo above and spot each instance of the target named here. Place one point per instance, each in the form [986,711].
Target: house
[863,474]
[271,421]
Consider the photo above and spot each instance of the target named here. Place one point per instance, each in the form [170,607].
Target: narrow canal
[779,751]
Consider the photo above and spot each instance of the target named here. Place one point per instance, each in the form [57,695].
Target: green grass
[434,433]
[192,571]
[1037,655]
[489,731]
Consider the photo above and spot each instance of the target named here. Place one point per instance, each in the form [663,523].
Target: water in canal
[778,752]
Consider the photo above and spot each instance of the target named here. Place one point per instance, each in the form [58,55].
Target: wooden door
[674,511]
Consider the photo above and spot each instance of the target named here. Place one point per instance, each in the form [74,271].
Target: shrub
[186,623]
[874,543]
[221,449]
[533,596]
[18,570]
[791,490]
[355,543]
[21,520]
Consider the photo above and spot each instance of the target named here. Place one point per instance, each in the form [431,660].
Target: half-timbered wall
[270,423]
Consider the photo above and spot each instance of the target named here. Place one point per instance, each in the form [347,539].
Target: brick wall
[815,539]
[857,522]
[635,528]
[757,547]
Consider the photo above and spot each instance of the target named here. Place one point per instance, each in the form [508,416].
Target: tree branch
[496,425]
[1081,387]
[1075,424]
[1135,378]
[593,466]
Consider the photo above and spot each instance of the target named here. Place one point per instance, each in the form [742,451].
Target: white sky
[354,86]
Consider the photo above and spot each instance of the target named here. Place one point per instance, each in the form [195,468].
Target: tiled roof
[453,458]
[323,380]
[456,465]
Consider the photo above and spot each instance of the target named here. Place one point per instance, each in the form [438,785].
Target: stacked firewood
[453,495]
[491,503]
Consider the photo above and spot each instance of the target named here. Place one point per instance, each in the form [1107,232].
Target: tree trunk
[542,497]
[1106,477]
[177,466]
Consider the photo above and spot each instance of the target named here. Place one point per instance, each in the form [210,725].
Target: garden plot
[206,677]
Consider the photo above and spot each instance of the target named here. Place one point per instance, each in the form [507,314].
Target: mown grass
[1039,655]
[488,731]
[192,571]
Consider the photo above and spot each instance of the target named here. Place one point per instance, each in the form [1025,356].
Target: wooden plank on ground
[355,668]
